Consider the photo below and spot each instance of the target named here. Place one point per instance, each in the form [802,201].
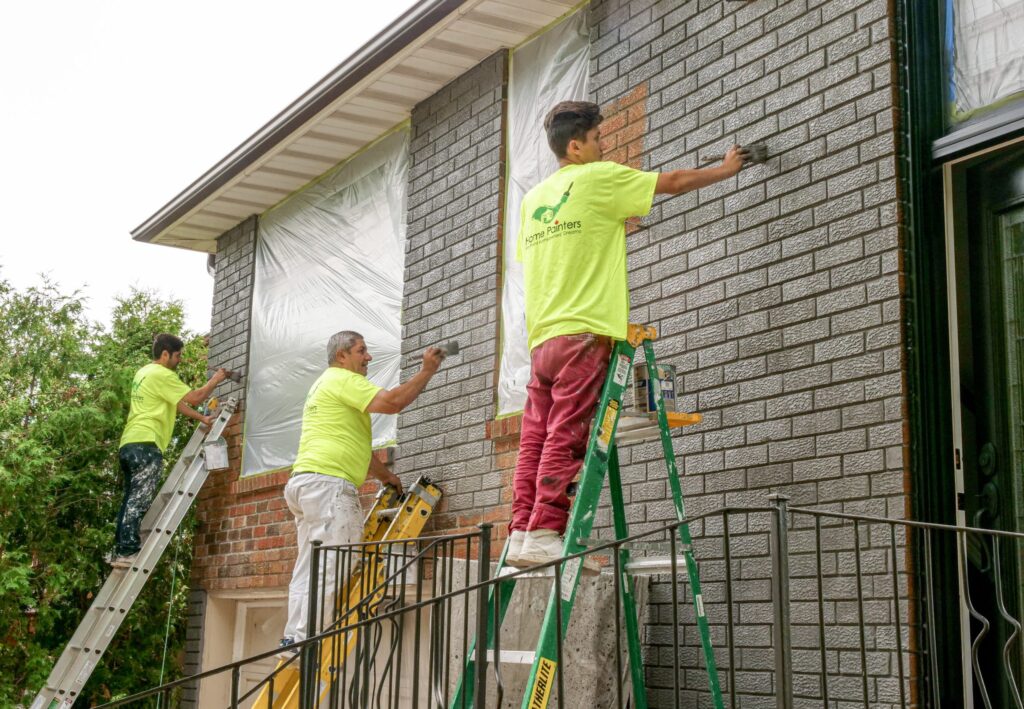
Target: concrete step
[513,657]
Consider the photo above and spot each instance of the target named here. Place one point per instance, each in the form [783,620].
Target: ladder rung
[547,572]
[513,657]
[655,566]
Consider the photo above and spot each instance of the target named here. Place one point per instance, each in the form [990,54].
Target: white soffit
[432,44]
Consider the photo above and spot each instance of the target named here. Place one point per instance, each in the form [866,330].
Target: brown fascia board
[414,22]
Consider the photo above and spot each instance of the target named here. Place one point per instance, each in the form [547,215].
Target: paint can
[645,396]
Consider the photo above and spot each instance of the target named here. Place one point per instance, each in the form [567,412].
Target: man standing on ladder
[572,243]
[157,394]
[335,456]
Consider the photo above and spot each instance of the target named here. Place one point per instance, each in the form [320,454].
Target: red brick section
[245,537]
[622,134]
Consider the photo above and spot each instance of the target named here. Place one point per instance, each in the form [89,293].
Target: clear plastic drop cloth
[988,53]
[329,258]
[551,68]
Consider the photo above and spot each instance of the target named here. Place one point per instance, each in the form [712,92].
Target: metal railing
[808,607]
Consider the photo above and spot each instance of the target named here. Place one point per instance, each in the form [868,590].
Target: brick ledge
[255,483]
[506,427]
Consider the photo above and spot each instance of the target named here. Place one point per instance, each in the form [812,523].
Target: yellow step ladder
[393,517]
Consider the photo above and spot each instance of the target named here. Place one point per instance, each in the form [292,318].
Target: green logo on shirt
[546,215]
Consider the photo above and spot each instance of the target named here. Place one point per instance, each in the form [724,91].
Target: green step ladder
[611,426]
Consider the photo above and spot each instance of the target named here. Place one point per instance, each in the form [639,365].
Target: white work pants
[326,509]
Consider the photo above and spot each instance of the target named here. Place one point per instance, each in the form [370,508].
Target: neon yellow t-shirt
[156,391]
[336,436]
[572,242]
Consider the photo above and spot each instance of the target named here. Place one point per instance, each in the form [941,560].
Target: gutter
[385,45]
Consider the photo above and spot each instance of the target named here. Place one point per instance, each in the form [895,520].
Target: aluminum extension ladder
[393,517]
[611,427]
[123,586]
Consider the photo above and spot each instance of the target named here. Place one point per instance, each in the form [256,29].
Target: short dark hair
[570,120]
[165,342]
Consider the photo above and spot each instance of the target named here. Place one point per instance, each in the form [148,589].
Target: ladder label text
[604,437]
[542,684]
[621,370]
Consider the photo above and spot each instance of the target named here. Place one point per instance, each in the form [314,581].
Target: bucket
[645,396]
[215,454]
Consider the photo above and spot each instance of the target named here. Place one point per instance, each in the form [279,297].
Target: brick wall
[451,279]
[777,293]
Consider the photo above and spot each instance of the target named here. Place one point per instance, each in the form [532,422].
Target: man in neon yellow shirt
[572,243]
[157,395]
[335,456]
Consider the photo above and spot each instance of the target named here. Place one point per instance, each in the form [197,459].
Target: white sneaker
[515,547]
[540,546]
[545,545]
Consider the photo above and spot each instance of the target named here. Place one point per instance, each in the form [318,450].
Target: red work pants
[567,373]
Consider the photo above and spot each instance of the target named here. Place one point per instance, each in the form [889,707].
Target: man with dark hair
[157,393]
[572,243]
[334,458]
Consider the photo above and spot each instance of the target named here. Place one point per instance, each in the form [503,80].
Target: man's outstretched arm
[391,401]
[679,181]
[198,396]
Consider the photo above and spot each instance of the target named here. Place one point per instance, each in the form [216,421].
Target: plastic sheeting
[551,68]
[988,52]
[329,258]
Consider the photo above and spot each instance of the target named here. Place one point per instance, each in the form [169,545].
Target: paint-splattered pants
[326,510]
[565,383]
[141,466]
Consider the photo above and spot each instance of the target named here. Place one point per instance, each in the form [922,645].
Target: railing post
[483,575]
[780,602]
[307,661]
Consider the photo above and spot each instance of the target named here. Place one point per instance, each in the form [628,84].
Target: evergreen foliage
[64,388]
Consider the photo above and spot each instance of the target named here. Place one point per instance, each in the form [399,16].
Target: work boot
[122,561]
[545,545]
[515,548]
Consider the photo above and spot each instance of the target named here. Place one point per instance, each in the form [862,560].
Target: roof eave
[413,23]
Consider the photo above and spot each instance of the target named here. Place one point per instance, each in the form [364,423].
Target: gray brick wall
[451,289]
[776,294]
[232,304]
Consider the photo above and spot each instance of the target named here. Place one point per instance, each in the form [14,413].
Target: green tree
[64,385]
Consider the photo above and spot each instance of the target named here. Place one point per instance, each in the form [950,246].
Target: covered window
[985,42]
[328,258]
[550,68]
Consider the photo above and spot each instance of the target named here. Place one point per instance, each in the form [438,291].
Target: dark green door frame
[925,142]
[923,94]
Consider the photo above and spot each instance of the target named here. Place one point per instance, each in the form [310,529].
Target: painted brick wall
[451,292]
[776,294]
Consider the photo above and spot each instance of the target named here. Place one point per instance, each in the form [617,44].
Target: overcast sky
[109,109]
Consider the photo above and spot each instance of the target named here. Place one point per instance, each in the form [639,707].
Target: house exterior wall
[776,295]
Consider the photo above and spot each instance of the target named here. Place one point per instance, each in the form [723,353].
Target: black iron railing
[808,607]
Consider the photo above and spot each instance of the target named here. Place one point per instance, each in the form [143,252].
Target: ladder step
[634,426]
[655,566]
[513,657]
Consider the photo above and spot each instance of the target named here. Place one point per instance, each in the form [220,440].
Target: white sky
[108,109]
